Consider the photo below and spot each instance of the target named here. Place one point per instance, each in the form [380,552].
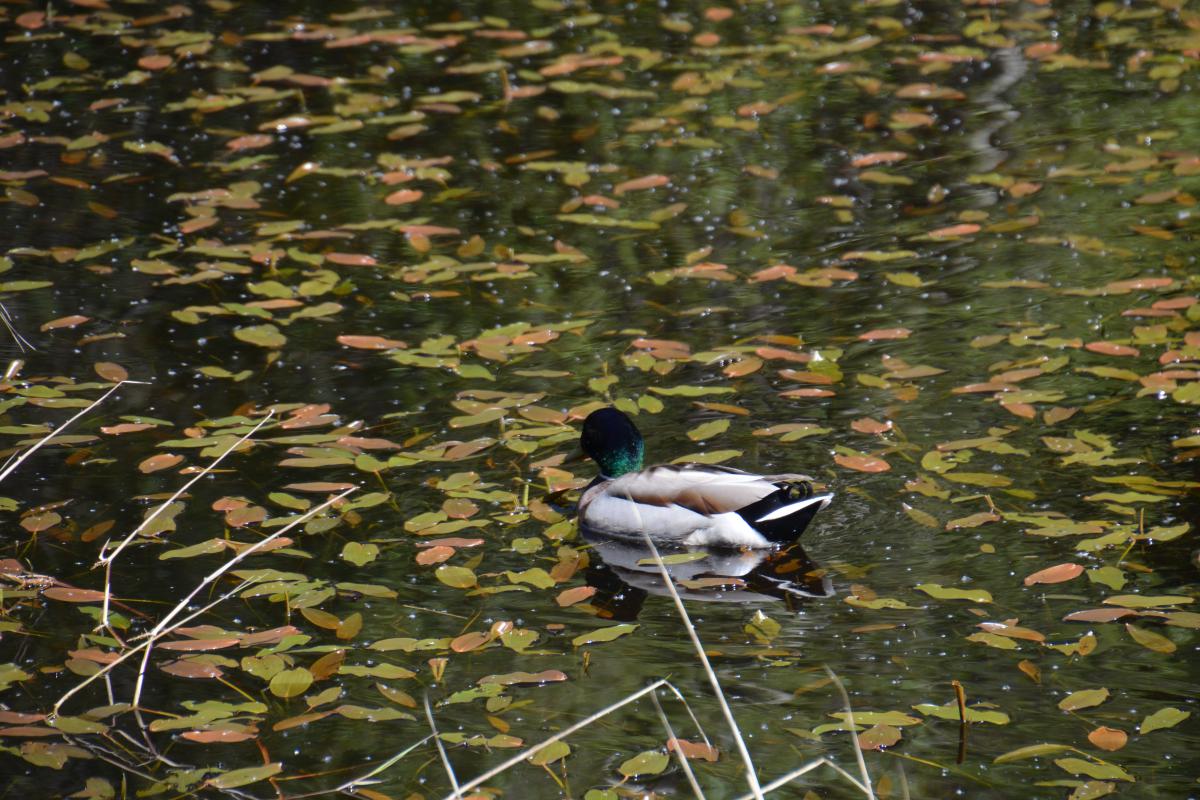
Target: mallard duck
[687,504]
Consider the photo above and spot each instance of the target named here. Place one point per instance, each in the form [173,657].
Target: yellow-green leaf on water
[1150,640]
[474,371]
[921,517]
[1167,717]
[1032,751]
[676,558]
[993,640]
[690,391]
[291,682]
[603,634]
[978,478]
[205,548]
[261,335]
[1086,698]
[908,279]
[1112,577]
[482,418]
[1092,790]
[535,576]
[877,603]
[77,725]
[708,430]
[243,777]
[25,286]
[894,718]
[649,762]
[458,577]
[1078,766]
[940,592]
[1147,601]
[711,457]
[550,753]
[762,627]
[974,714]
[1168,533]
[358,553]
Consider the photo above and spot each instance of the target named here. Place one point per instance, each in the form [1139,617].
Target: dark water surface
[951,246]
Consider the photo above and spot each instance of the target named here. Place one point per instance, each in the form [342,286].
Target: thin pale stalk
[687,707]
[809,767]
[858,753]
[164,626]
[751,775]
[537,748]
[137,688]
[21,341]
[683,759]
[107,558]
[42,442]
[441,748]
[352,785]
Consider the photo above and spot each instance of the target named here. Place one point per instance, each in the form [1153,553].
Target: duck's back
[699,505]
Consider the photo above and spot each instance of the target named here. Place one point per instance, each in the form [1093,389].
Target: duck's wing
[703,490]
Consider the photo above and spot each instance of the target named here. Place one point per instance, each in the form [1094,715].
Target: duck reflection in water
[624,574]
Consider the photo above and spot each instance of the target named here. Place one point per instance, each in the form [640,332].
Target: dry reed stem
[107,558]
[164,626]
[21,341]
[683,759]
[41,442]
[751,775]
[517,759]
[441,748]
[352,785]
[858,753]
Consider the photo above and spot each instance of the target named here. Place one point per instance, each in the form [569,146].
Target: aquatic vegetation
[305,306]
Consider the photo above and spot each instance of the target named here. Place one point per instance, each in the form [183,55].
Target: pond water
[941,257]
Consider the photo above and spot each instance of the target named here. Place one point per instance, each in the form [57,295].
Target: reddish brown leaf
[434,555]
[192,669]
[160,461]
[862,463]
[241,517]
[1056,574]
[963,229]
[111,372]
[569,597]
[1108,738]
[65,322]
[808,393]
[125,427]
[199,645]
[1112,349]
[71,595]
[469,641]
[403,196]
[883,334]
[217,737]
[637,184]
[773,273]
[692,750]
[31,20]
[872,426]
[250,142]
[351,259]
[1099,615]
[872,159]
[155,62]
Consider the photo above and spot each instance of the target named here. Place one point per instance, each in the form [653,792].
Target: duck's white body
[701,506]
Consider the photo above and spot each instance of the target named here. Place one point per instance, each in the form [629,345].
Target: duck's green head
[612,441]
